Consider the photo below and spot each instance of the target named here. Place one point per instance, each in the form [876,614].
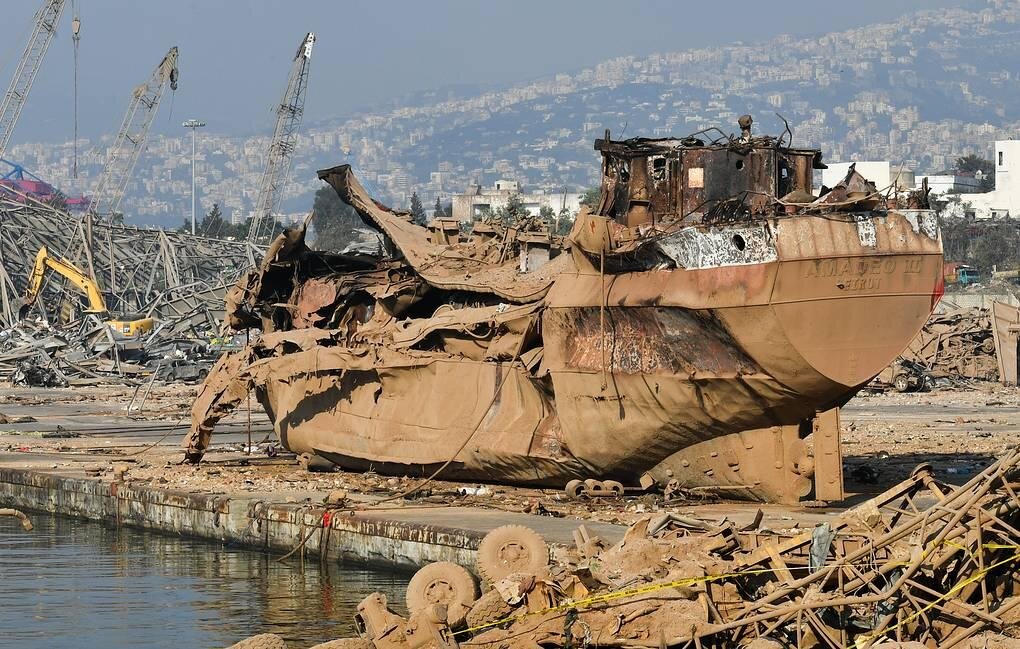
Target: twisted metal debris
[178,279]
[140,270]
[956,345]
[922,563]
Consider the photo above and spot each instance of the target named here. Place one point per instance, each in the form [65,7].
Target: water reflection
[75,584]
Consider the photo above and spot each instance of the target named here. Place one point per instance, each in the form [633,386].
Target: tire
[346,643]
[491,607]
[574,488]
[446,583]
[614,486]
[509,549]
[260,641]
[901,383]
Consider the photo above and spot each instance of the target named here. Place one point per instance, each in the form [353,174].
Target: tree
[212,225]
[334,221]
[565,222]
[437,211]
[590,197]
[971,164]
[994,249]
[547,214]
[513,210]
[957,232]
[240,230]
[417,210]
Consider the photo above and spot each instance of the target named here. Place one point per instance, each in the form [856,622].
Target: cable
[75,38]
[170,432]
[421,485]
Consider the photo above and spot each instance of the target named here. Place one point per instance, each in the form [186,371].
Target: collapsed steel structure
[156,272]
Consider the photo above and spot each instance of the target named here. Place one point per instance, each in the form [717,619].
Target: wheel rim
[514,554]
[440,591]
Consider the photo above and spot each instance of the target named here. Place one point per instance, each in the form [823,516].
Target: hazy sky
[234,56]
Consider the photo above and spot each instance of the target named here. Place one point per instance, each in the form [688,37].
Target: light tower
[194,125]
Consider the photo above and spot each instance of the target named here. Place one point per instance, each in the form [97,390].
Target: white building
[882,173]
[949,182]
[477,201]
[1004,200]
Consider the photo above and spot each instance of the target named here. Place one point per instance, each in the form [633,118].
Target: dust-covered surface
[957,431]
[89,431]
[923,564]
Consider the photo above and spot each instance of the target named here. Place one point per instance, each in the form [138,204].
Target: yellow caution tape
[866,640]
[690,581]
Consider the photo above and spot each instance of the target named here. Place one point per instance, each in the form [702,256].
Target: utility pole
[193,124]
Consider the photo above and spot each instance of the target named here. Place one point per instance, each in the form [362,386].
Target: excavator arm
[43,263]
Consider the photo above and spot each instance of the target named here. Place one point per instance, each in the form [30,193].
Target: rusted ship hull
[670,359]
[702,353]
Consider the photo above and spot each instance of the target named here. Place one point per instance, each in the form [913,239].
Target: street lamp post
[193,124]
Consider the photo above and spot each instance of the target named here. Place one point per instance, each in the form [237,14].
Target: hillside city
[920,91]
[711,348]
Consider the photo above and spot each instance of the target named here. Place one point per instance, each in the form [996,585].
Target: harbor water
[76,584]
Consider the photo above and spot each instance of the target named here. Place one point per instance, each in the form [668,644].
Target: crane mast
[134,130]
[28,67]
[288,118]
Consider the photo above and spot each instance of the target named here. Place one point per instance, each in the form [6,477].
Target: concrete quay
[399,537]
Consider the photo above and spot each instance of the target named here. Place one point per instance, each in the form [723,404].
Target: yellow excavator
[129,327]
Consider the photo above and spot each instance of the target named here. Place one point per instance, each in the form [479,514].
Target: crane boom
[288,118]
[134,130]
[31,59]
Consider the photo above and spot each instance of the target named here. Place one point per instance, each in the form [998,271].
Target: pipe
[25,523]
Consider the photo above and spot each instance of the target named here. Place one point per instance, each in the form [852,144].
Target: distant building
[1004,200]
[950,182]
[882,173]
[477,201]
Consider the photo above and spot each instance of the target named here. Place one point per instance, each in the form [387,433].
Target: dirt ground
[885,436]
[88,430]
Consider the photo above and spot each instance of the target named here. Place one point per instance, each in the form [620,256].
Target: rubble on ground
[922,565]
[38,354]
[176,279]
[956,346]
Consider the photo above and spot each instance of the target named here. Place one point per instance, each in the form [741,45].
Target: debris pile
[921,562]
[173,280]
[957,345]
[36,354]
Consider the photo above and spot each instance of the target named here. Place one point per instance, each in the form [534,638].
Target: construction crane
[288,118]
[131,137]
[28,67]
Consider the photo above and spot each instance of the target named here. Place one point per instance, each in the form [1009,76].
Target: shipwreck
[700,326]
